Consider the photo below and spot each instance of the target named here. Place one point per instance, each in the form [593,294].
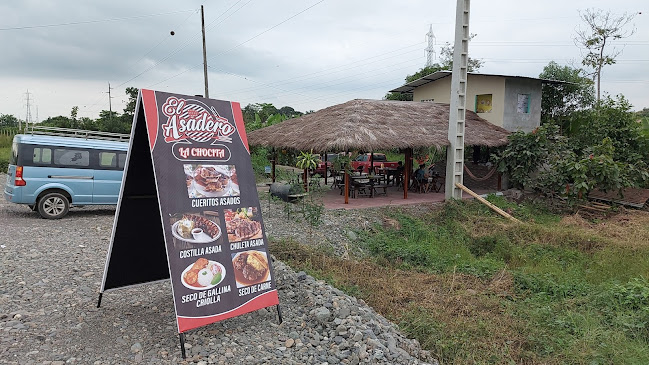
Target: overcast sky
[306,54]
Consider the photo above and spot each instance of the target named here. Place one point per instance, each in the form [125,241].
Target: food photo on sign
[250,268]
[192,229]
[242,224]
[203,274]
[211,180]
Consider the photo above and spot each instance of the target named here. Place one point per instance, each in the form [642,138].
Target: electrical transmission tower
[28,114]
[430,50]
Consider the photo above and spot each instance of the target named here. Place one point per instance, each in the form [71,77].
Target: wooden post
[304,180]
[487,203]
[272,164]
[406,172]
[346,187]
[326,169]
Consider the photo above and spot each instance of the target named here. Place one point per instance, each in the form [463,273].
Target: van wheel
[53,206]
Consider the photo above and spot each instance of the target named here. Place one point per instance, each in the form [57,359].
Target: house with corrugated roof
[511,102]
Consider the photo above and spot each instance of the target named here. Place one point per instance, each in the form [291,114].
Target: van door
[72,169]
[108,177]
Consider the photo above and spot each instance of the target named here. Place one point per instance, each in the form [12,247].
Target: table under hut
[375,125]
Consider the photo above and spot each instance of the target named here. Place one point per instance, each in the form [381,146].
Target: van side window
[68,157]
[42,155]
[121,161]
[107,159]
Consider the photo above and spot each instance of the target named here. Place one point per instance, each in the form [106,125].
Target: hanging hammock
[475,178]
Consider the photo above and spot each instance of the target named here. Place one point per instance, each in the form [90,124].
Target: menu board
[208,209]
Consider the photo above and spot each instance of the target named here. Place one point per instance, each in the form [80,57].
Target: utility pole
[207,94]
[457,112]
[110,104]
[430,50]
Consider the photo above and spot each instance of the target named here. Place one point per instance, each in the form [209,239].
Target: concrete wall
[440,92]
[513,120]
[478,85]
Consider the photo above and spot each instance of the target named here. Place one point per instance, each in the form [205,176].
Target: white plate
[182,277]
[202,238]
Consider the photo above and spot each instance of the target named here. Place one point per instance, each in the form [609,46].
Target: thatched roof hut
[371,125]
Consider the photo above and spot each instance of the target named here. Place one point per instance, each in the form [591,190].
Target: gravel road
[51,271]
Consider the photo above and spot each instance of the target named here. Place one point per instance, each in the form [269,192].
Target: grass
[5,152]
[476,289]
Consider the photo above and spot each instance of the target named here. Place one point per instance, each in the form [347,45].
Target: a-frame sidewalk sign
[188,210]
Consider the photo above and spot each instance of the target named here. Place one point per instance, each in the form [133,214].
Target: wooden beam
[487,203]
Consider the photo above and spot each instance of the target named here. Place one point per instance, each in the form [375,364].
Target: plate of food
[250,267]
[214,181]
[203,274]
[194,228]
[241,225]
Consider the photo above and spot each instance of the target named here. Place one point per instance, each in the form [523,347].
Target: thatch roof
[372,125]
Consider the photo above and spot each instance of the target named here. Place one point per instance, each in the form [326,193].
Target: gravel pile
[50,274]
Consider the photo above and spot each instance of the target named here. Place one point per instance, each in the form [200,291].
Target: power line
[162,41]
[176,75]
[341,68]
[184,45]
[238,45]
[92,21]
[273,27]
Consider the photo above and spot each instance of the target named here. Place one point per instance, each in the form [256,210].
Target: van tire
[53,206]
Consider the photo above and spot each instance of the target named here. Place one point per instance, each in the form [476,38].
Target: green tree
[249,112]
[601,27]
[398,96]
[289,112]
[8,120]
[132,93]
[607,152]
[59,121]
[612,118]
[560,99]
[73,117]
[445,64]
[87,124]
[644,113]
[111,122]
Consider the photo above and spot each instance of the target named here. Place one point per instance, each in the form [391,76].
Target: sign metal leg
[279,314]
[182,345]
[99,300]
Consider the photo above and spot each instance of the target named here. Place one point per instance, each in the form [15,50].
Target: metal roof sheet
[409,87]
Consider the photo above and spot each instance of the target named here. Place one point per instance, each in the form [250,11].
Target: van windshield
[13,159]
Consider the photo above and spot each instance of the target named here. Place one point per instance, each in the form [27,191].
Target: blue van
[51,173]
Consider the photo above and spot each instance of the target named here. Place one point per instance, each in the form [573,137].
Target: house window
[483,103]
[523,105]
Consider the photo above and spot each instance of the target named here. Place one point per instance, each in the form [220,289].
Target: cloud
[331,53]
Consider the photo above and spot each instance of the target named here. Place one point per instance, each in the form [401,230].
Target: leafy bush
[605,150]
